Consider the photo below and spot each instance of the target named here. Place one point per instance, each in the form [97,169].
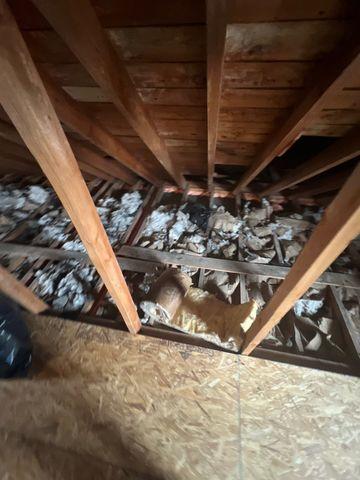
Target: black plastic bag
[15,344]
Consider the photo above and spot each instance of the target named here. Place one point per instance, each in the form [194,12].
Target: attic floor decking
[135,407]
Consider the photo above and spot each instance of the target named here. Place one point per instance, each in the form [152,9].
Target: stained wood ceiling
[271,52]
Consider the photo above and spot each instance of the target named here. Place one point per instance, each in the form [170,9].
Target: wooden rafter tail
[75,116]
[329,79]
[342,150]
[340,225]
[25,100]
[20,293]
[85,36]
[216,18]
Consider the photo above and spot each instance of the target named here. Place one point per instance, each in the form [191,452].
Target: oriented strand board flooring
[107,405]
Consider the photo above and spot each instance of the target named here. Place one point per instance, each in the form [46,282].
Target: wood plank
[277,10]
[348,327]
[327,81]
[216,17]
[20,293]
[24,98]
[283,41]
[340,225]
[86,38]
[267,74]
[231,266]
[339,152]
[75,116]
[31,252]
[324,184]
[112,168]
[151,96]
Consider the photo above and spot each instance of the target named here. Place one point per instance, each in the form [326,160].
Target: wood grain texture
[340,225]
[327,81]
[20,293]
[339,152]
[216,16]
[25,100]
[75,116]
[88,41]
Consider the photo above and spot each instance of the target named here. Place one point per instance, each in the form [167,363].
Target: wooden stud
[19,293]
[216,16]
[73,114]
[339,152]
[329,79]
[340,224]
[24,98]
[85,36]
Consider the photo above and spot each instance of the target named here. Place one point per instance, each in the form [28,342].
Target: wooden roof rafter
[330,78]
[85,37]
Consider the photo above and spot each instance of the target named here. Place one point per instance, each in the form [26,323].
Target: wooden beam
[19,293]
[329,79]
[232,266]
[24,98]
[85,36]
[84,154]
[89,161]
[344,149]
[216,17]
[325,184]
[75,116]
[340,225]
[351,336]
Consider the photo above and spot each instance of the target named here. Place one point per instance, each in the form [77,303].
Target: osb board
[298,423]
[104,404]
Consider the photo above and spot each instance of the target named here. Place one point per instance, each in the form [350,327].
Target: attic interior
[220,140]
[185,171]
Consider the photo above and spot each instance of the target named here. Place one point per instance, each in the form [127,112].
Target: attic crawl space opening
[186,171]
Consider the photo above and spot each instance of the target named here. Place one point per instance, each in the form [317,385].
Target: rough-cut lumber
[16,250]
[231,266]
[339,152]
[24,98]
[86,38]
[329,79]
[19,293]
[324,184]
[340,225]
[73,114]
[216,16]
[350,333]
[86,155]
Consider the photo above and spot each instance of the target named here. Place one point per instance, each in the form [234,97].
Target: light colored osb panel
[298,423]
[130,402]
[105,404]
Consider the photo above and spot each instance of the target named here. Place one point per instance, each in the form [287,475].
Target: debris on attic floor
[250,229]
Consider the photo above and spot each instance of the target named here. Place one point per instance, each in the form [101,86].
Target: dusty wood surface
[86,38]
[120,396]
[25,100]
[339,226]
[20,293]
[231,266]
